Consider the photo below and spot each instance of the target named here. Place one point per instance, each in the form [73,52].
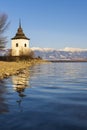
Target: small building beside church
[20,43]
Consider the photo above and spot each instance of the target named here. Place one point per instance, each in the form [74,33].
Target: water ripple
[45,97]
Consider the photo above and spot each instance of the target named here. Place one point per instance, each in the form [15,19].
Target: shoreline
[11,68]
[66,60]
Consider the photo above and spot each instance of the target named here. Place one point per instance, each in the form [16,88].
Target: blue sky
[48,23]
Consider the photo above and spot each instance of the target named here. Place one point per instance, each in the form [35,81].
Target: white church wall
[20,46]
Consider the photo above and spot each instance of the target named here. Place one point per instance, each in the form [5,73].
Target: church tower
[20,43]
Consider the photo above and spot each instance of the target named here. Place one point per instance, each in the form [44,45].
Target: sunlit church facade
[20,43]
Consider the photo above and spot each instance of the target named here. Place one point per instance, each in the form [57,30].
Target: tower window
[25,45]
[16,44]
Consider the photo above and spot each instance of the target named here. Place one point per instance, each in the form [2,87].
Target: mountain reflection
[20,83]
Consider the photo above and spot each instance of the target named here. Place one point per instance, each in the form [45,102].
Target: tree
[3,27]
[27,53]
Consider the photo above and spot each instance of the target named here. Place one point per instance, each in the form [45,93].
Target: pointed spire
[20,34]
[19,23]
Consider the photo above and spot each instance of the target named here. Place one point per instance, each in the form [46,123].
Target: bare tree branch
[3,27]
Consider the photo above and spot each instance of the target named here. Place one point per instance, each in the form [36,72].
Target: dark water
[45,97]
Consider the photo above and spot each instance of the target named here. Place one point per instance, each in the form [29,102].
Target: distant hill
[62,54]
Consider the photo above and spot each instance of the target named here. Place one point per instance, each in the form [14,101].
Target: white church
[20,43]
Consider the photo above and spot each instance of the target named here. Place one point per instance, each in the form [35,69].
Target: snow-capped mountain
[61,54]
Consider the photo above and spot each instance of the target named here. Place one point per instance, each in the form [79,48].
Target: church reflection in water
[20,83]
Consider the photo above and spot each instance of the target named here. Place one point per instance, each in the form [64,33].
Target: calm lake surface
[50,96]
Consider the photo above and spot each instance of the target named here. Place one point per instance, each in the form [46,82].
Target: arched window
[16,44]
[25,45]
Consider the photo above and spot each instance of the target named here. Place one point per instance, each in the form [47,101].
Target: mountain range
[61,54]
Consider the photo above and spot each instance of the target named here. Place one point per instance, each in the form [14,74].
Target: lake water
[50,96]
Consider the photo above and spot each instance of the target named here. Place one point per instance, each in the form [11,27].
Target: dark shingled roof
[20,34]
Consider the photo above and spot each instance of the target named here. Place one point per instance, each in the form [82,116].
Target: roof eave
[19,38]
